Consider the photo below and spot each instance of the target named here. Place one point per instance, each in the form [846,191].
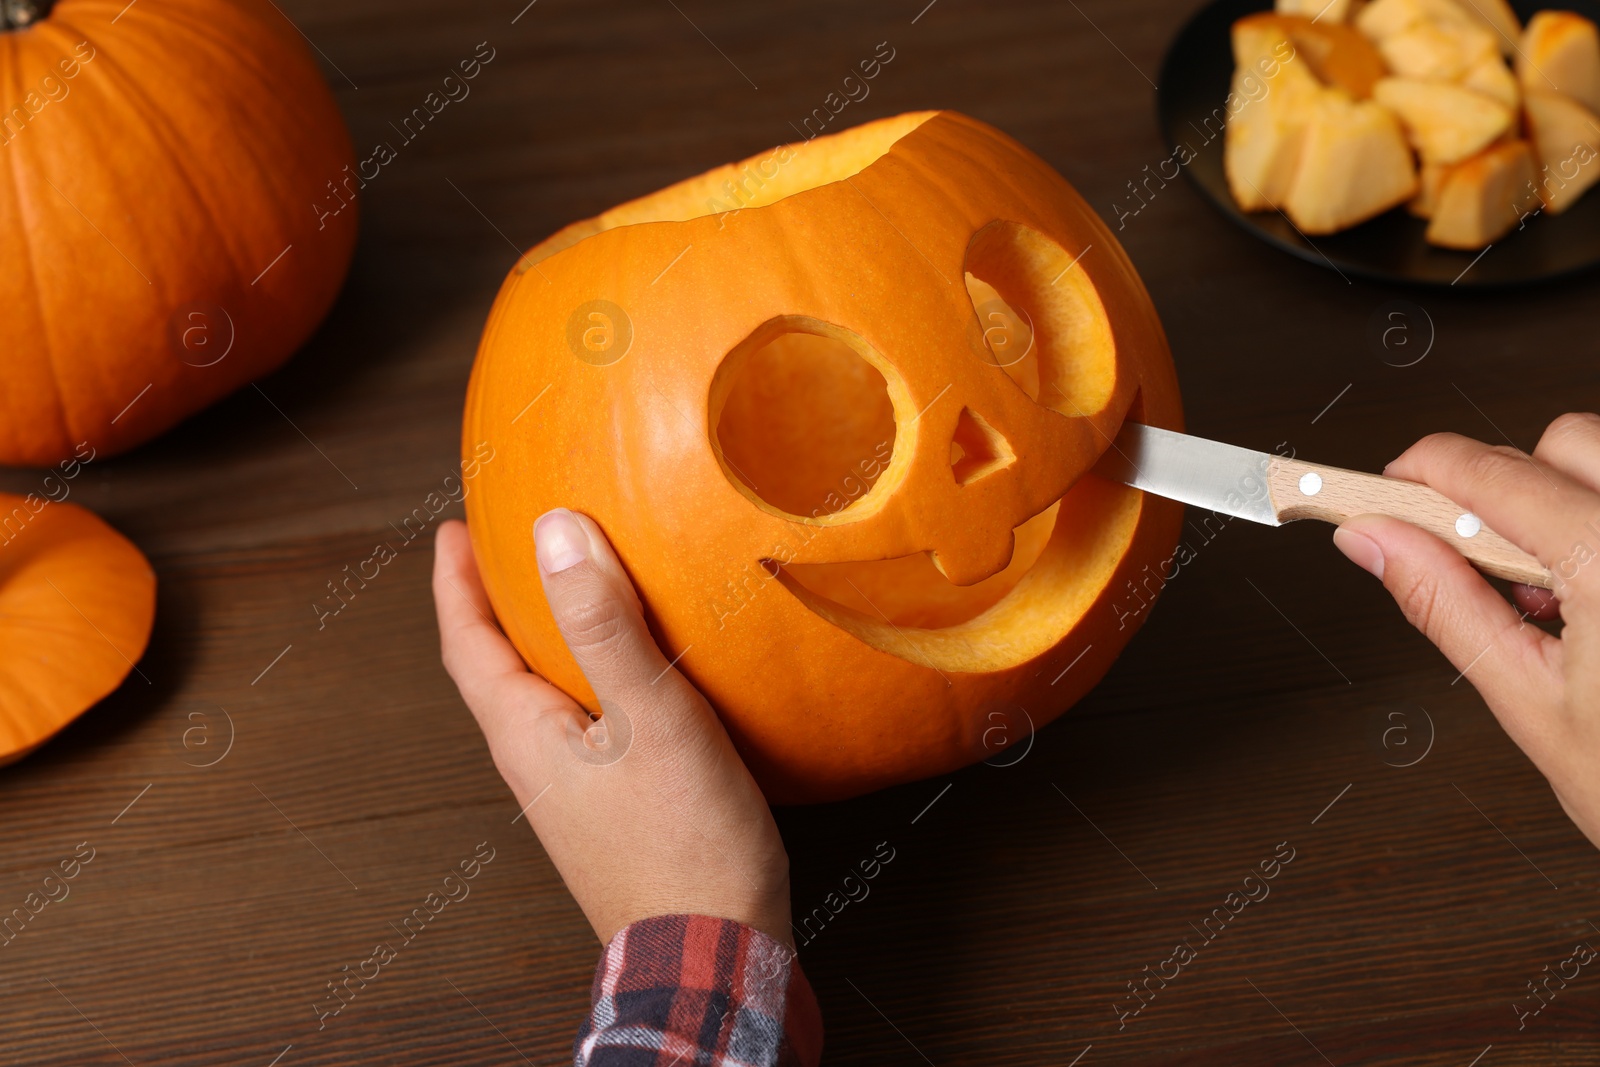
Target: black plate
[1195,79]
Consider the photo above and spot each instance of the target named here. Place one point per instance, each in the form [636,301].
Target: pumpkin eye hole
[804,424]
[1039,318]
[977,449]
[1008,335]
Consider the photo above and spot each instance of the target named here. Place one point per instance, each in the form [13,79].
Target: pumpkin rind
[77,602]
[821,699]
[162,199]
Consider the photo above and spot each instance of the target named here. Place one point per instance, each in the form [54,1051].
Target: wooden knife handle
[1302,490]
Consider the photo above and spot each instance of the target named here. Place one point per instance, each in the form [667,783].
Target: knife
[1277,489]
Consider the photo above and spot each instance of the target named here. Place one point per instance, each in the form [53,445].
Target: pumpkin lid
[77,602]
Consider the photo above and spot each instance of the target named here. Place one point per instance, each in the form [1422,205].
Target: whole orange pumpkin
[836,406]
[168,229]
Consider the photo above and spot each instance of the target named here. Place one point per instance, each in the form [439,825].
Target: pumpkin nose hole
[806,423]
[977,450]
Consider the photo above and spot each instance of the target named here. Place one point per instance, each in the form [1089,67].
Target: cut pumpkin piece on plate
[1354,164]
[1384,18]
[1430,179]
[1437,51]
[1498,18]
[1561,53]
[77,601]
[1262,139]
[1338,55]
[1566,144]
[1325,12]
[1446,123]
[1481,200]
[1494,79]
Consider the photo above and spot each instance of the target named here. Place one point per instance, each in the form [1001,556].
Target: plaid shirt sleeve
[692,991]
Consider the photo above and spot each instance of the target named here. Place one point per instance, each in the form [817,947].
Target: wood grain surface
[1275,696]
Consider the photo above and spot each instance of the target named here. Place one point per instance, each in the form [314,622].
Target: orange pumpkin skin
[825,700]
[144,209]
[77,603]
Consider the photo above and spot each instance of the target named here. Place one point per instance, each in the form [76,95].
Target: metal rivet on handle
[1468,525]
[1311,483]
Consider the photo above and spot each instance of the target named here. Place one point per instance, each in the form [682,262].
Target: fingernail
[559,541]
[1361,550]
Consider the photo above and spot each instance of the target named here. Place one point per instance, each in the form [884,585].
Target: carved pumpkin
[168,230]
[77,602]
[835,407]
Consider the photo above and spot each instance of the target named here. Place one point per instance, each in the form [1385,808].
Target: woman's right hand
[1544,690]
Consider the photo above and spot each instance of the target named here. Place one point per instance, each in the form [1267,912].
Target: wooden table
[1275,695]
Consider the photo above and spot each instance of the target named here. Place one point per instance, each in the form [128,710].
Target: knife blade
[1272,490]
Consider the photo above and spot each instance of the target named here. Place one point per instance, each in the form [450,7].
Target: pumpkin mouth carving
[1063,560]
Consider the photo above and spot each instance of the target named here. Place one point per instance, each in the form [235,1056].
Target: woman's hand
[648,811]
[1544,690]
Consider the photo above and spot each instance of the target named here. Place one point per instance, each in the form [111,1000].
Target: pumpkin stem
[20,14]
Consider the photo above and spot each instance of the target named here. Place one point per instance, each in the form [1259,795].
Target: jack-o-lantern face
[835,407]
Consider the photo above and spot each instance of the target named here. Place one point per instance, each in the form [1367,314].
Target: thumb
[601,620]
[1514,664]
